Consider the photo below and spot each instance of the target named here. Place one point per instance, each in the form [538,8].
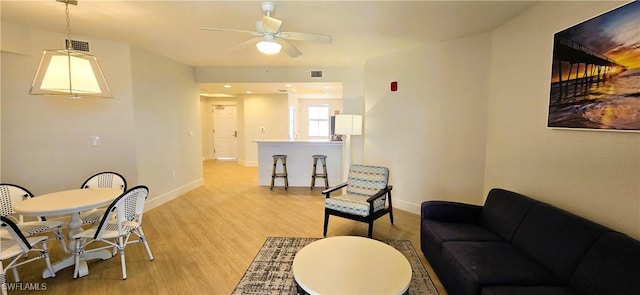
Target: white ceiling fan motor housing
[268,7]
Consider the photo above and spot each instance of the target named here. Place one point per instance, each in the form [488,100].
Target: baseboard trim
[161,199]
[406,206]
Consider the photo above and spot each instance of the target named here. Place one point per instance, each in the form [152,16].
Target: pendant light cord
[66,11]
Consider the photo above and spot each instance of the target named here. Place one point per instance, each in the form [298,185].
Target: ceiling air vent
[77,45]
[317,74]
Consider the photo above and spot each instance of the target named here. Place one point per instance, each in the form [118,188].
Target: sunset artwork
[595,76]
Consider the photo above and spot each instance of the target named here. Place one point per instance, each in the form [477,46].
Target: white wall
[167,125]
[46,140]
[270,111]
[431,132]
[593,174]
[143,129]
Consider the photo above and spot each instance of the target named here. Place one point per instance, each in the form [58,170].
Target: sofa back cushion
[556,238]
[503,212]
[611,266]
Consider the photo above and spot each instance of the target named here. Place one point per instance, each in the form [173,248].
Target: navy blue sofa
[515,245]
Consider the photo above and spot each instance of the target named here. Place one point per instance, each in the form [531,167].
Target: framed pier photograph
[595,76]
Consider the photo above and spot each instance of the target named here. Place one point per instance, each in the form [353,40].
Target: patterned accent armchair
[367,192]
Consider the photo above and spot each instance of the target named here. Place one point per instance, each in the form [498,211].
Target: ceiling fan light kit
[268,46]
[271,40]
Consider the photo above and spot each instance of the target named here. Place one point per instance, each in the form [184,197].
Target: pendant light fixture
[68,72]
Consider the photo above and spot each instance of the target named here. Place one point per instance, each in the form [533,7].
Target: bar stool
[315,174]
[283,174]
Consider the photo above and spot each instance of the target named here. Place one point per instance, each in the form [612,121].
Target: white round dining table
[69,202]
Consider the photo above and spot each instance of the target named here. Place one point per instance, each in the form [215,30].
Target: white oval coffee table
[351,265]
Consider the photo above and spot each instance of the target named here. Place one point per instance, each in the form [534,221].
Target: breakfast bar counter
[299,161]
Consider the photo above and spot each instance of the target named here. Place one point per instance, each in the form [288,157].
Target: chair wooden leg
[391,214]
[370,234]
[313,173]
[326,223]
[326,176]
[273,174]
[286,174]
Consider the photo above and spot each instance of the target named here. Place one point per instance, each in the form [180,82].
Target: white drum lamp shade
[69,73]
[348,125]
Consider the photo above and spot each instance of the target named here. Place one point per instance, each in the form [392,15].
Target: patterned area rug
[270,272]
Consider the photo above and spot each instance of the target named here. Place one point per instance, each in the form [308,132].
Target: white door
[225,132]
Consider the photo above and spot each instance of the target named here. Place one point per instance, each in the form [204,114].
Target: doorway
[225,132]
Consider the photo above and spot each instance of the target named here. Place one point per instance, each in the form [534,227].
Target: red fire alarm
[394,86]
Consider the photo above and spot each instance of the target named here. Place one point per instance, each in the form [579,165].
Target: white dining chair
[17,247]
[11,194]
[106,179]
[121,219]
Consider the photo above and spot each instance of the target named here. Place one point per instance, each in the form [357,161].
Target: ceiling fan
[270,38]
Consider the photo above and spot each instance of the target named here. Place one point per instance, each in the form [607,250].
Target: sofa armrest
[450,211]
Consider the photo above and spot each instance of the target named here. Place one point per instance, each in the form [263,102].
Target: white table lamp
[348,125]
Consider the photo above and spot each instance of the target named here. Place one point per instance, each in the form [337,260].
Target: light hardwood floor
[203,241]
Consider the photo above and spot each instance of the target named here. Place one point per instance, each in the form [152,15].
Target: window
[318,121]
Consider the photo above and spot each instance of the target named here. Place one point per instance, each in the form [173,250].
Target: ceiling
[360,29]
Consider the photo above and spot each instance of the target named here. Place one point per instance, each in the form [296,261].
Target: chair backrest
[127,207]
[15,233]
[366,180]
[106,180]
[11,194]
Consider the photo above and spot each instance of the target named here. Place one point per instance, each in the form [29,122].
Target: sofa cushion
[611,266]
[434,233]
[468,266]
[527,290]
[450,211]
[504,210]
[556,238]
[452,231]
[354,204]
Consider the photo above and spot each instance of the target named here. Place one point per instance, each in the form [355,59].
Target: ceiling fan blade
[250,42]
[290,49]
[305,37]
[231,30]
[270,24]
